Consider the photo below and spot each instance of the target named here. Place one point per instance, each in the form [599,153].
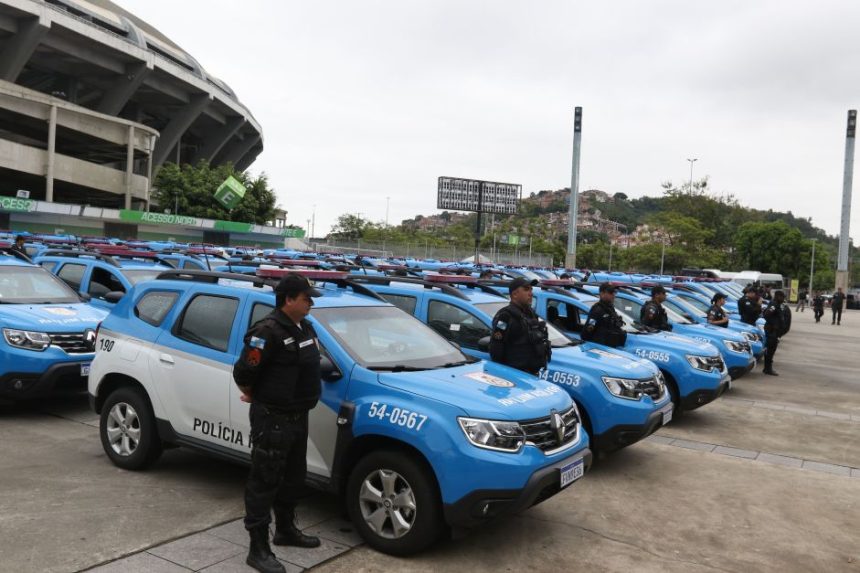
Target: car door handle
[166,358]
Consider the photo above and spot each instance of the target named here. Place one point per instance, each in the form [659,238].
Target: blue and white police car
[417,436]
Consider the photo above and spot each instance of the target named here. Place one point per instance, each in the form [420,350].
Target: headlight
[26,339]
[752,336]
[700,362]
[736,346]
[623,387]
[493,434]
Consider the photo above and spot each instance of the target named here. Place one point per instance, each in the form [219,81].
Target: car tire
[409,482]
[127,429]
[674,394]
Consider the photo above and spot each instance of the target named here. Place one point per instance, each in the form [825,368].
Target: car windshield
[556,338]
[681,307]
[696,303]
[630,324]
[33,285]
[137,275]
[386,338]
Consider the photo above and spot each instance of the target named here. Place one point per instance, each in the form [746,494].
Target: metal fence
[502,255]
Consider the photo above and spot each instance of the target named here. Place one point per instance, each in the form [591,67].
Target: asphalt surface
[765,479]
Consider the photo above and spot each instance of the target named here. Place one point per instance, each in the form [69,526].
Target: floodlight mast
[570,259]
[847,182]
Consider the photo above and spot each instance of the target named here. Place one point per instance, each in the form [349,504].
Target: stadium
[93,101]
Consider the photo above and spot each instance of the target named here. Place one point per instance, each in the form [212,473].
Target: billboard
[458,194]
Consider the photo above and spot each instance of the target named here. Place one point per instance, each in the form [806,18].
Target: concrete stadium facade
[93,101]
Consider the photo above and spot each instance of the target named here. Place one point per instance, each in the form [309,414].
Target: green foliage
[191,188]
[771,248]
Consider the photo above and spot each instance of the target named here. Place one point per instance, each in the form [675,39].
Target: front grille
[745,346]
[716,362]
[540,432]
[653,387]
[70,342]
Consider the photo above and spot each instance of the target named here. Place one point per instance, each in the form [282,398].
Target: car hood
[484,390]
[51,317]
[675,343]
[708,331]
[601,361]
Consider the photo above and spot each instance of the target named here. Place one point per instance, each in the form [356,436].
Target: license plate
[85,369]
[572,472]
[667,416]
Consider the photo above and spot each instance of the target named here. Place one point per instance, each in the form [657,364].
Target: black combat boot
[260,555]
[770,372]
[286,532]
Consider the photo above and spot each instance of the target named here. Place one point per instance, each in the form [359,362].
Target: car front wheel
[127,429]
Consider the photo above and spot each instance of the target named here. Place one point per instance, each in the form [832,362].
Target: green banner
[16,204]
[293,233]
[233,226]
[156,218]
[230,193]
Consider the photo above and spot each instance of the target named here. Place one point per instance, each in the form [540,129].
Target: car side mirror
[113,296]
[484,343]
[85,296]
[328,371]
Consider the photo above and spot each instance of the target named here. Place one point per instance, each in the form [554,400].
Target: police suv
[415,434]
[48,333]
[620,397]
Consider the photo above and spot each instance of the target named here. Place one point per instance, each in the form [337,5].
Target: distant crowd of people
[819,302]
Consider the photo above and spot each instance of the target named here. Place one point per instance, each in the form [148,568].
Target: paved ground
[766,479]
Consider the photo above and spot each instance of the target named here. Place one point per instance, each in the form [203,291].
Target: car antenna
[206,258]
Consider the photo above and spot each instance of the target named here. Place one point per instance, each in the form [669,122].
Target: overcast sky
[363,100]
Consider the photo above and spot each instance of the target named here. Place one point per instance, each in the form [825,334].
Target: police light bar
[124,252]
[4,245]
[296,262]
[310,274]
[99,245]
[439,278]
[558,282]
[392,267]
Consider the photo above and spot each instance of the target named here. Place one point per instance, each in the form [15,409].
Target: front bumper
[699,398]
[59,378]
[737,371]
[481,505]
[624,435]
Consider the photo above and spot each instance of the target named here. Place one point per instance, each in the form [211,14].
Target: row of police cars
[416,428]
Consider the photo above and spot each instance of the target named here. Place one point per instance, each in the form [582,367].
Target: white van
[773,280]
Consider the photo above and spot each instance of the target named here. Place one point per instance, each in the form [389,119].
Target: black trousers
[837,314]
[770,350]
[278,465]
[819,312]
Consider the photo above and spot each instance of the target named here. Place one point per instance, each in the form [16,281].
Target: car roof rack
[76,254]
[212,277]
[444,287]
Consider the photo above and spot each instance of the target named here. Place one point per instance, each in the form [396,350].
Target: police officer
[836,304]
[653,314]
[18,249]
[278,372]
[749,307]
[520,338]
[604,325]
[716,315]
[818,306]
[774,316]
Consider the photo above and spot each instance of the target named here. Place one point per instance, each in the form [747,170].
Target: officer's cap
[606,287]
[520,282]
[657,290]
[717,296]
[293,284]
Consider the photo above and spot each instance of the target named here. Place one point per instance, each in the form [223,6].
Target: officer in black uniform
[604,325]
[774,316]
[749,306]
[520,338]
[836,304]
[653,314]
[18,249]
[818,306]
[716,315]
[278,372]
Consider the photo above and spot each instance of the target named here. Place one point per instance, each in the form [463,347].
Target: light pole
[811,268]
[663,255]
[610,254]
[691,172]
[387,202]
[314,220]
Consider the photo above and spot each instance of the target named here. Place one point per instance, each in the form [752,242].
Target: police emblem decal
[252,358]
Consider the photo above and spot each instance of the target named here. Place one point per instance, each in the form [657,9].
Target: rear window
[154,306]
[208,320]
[403,302]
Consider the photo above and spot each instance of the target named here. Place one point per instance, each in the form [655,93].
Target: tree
[190,189]
[350,226]
[772,248]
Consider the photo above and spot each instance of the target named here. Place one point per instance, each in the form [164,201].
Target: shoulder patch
[253,357]
[257,342]
[502,325]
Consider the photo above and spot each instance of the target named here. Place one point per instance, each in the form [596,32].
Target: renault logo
[556,423]
[90,339]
